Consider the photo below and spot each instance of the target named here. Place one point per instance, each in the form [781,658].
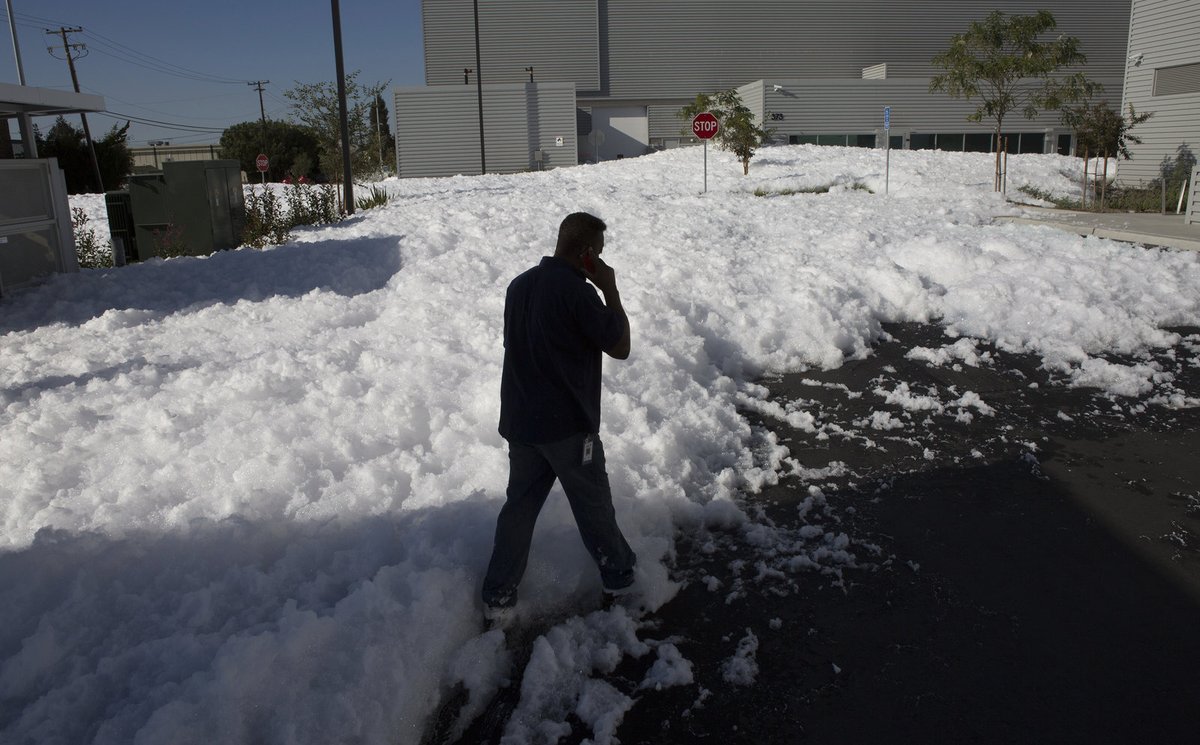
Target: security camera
[777,88]
[1135,59]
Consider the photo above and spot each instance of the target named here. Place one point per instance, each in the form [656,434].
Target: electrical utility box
[191,208]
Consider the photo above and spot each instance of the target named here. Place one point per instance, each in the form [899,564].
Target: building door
[626,131]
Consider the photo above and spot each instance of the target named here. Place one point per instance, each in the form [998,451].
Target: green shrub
[267,223]
[169,242]
[1065,203]
[91,253]
[822,189]
[376,197]
[270,218]
[312,205]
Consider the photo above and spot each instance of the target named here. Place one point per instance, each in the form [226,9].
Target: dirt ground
[1030,576]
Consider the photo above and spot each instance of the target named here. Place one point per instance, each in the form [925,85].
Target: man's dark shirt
[555,330]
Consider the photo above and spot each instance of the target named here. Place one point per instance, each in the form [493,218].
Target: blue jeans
[532,471]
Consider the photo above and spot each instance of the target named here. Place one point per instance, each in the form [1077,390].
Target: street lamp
[154,145]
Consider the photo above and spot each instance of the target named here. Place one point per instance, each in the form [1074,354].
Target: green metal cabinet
[190,208]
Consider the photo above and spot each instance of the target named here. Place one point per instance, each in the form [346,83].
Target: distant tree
[315,105]
[66,143]
[290,148]
[738,133]
[116,161]
[1001,62]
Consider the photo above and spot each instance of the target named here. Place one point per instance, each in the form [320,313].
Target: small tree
[1000,60]
[315,105]
[1100,130]
[738,133]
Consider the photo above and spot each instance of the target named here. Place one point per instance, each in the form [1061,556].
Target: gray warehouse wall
[560,39]
[1163,78]
[665,49]
[437,128]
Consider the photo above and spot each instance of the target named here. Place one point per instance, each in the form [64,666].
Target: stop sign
[262,162]
[705,126]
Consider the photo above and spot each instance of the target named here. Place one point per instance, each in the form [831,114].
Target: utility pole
[263,111]
[68,48]
[343,120]
[479,91]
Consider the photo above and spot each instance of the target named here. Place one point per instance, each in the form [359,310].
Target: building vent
[1171,81]
[875,72]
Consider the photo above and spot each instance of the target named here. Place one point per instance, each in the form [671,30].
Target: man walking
[555,329]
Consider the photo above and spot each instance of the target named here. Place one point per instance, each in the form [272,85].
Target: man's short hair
[579,230]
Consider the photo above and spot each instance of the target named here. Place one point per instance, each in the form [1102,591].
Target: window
[977,142]
[1171,81]
[1064,144]
[864,140]
[896,142]
[920,141]
[831,139]
[1032,142]
[951,142]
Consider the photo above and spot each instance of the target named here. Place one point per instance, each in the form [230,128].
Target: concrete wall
[1163,78]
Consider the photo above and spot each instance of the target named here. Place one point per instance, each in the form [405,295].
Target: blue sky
[187,63]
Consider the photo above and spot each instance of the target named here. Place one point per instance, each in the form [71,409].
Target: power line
[164,125]
[128,54]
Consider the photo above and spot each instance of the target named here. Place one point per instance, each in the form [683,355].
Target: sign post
[705,126]
[262,163]
[887,147]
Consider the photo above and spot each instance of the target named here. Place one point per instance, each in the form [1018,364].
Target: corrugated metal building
[634,63]
[1163,78]
[527,126]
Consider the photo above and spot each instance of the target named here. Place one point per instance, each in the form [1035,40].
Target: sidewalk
[1146,228]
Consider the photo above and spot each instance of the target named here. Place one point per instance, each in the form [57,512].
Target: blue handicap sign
[887,117]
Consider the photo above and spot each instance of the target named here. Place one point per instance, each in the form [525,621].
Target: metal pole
[479,91]
[706,166]
[347,171]
[26,121]
[887,161]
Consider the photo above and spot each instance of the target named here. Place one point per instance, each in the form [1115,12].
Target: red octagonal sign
[261,162]
[705,126]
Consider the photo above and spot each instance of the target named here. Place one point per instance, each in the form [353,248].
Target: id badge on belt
[587,450]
